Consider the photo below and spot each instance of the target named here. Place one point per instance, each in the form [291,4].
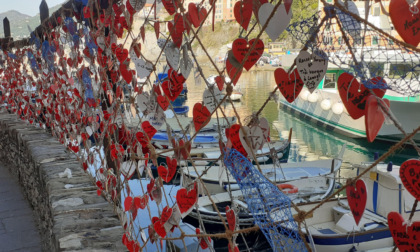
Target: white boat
[311,175]
[325,108]
[332,226]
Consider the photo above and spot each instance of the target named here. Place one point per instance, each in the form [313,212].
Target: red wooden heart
[243,12]
[220,82]
[186,199]
[141,202]
[231,218]
[289,85]
[150,186]
[201,116]
[405,21]
[126,74]
[142,139]
[148,129]
[169,6]
[157,29]
[166,214]
[176,29]
[374,116]
[127,203]
[174,86]
[240,48]
[410,176]
[354,95]
[357,196]
[168,173]
[197,15]
[233,136]
[121,54]
[232,69]
[159,228]
[163,102]
[405,237]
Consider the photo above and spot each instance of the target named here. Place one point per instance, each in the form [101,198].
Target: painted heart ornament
[354,95]
[410,176]
[241,48]
[277,23]
[201,116]
[312,68]
[374,116]
[405,235]
[289,85]
[357,197]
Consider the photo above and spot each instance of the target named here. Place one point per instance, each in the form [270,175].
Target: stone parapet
[69,213]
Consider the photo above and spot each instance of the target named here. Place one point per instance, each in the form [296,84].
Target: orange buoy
[292,188]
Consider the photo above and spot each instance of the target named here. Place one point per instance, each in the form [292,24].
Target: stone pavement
[18,231]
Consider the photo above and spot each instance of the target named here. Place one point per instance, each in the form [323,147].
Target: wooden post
[43,11]
[6,27]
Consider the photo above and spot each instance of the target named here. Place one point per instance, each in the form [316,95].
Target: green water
[309,142]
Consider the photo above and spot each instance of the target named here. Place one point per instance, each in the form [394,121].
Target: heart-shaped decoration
[243,12]
[349,23]
[172,54]
[405,237]
[405,20]
[174,86]
[186,199]
[374,116]
[148,129]
[163,102]
[156,119]
[241,47]
[211,98]
[234,139]
[312,68]
[201,116]
[289,85]
[159,228]
[121,53]
[278,22]
[126,74]
[233,68]
[176,29]
[265,127]
[166,214]
[141,202]
[137,5]
[143,68]
[168,173]
[220,81]
[128,169]
[127,203]
[357,197]
[410,177]
[197,14]
[255,138]
[354,95]
[185,66]
[231,218]
[169,6]
[185,148]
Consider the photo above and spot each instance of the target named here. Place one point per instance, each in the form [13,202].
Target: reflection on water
[309,142]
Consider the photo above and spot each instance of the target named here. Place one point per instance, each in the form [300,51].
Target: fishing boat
[324,108]
[182,110]
[331,227]
[310,174]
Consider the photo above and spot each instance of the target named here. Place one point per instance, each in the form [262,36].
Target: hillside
[19,22]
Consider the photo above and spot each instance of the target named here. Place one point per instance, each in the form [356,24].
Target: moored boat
[311,174]
[325,108]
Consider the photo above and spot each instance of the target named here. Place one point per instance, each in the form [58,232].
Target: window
[339,40]
[376,69]
[390,42]
[375,40]
[329,81]
[376,11]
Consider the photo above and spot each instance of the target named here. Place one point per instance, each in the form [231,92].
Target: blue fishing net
[270,207]
[369,53]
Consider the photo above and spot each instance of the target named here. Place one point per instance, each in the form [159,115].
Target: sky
[28,7]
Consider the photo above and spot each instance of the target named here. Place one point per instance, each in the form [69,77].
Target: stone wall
[69,213]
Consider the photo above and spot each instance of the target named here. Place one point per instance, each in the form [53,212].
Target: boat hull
[343,124]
